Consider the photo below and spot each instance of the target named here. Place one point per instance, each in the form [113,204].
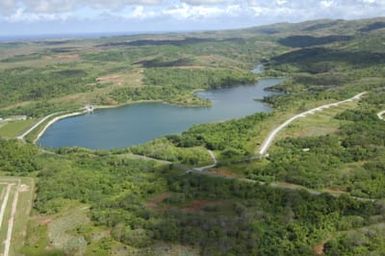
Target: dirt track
[5,197]
[4,203]
[204,168]
[11,221]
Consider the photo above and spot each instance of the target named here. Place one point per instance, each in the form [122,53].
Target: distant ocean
[29,38]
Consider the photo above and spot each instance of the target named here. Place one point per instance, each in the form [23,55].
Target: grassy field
[16,200]
[58,231]
[14,128]
[318,124]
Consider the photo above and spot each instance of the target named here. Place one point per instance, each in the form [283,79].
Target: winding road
[63,116]
[204,168]
[381,115]
[273,134]
[147,158]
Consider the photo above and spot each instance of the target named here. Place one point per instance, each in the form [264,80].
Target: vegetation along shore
[319,188]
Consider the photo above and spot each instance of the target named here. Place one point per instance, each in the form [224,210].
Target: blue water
[45,37]
[139,123]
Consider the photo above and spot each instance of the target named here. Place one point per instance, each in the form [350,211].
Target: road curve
[270,138]
[204,168]
[55,120]
[381,115]
[22,136]
[59,117]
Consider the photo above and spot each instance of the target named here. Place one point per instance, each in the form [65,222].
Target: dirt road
[4,203]
[204,168]
[11,221]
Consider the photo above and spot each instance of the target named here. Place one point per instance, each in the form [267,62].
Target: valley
[197,152]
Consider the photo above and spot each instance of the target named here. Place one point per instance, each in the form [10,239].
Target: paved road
[63,116]
[55,120]
[22,136]
[273,134]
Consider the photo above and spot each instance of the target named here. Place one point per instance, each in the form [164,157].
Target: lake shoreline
[134,124]
[102,107]
[215,114]
[54,120]
[259,69]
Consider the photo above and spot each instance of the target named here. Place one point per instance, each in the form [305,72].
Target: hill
[320,190]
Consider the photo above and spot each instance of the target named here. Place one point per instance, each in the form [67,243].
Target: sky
[29,17]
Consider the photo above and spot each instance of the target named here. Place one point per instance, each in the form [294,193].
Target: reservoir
[138,123]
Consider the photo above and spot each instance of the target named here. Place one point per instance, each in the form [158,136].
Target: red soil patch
[224,172]
[44,220]
[198,205]
[154,202]
[115,79]
[67,57]
[319,249]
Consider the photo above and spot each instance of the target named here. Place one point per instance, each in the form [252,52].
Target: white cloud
[185,11]
[233,10]
[327,3]
[266,10]
[21,15]
[281,2]
[203,2]
[139,13]
[56,6]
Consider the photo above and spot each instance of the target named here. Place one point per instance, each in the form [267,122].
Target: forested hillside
[319,191]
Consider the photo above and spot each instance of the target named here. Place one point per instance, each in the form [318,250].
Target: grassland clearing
[47,234]
[304,115]
[318,124]
[131,78]
[14,128]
